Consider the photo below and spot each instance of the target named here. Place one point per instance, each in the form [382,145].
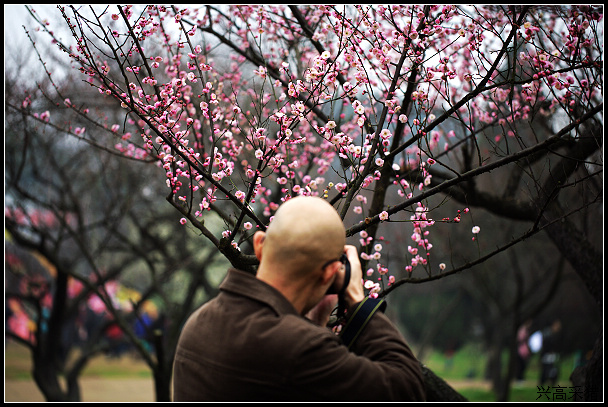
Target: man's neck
[297,292]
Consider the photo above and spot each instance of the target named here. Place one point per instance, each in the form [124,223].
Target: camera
[333,289]
[339,313]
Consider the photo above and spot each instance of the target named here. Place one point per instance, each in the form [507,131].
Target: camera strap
[359,319]
[342,307]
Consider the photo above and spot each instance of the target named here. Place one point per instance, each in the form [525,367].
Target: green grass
[18,365]
[524,394]
[127,366]
[15,373]
[467,367]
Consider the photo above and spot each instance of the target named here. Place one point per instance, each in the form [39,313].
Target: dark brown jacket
[250,344]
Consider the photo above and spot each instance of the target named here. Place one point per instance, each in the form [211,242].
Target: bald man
[263,338]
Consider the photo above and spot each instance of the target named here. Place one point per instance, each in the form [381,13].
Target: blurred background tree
[93,263]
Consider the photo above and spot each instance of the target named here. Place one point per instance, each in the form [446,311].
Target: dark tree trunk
[437,389]
[587,379]
[47,379]
[584,258]
[163,370]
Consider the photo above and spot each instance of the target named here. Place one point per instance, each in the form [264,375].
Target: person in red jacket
[256,340]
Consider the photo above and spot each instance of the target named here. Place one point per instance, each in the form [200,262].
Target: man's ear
[258,243]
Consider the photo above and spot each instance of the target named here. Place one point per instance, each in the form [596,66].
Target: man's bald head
[305,233]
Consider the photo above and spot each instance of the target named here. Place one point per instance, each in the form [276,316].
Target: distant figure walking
[549,355]
[523,349]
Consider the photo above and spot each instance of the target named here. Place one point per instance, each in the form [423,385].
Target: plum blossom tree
[385,111]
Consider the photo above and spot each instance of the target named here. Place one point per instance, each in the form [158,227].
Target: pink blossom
[383,215]
[261,72]
[368,284]
[240,195]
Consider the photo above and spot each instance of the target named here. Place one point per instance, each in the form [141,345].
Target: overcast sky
[15,16]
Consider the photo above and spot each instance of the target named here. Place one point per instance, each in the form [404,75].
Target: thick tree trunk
[47,380]
[587,379]
[163,370]
[588,265]
[575,247]
[437,389]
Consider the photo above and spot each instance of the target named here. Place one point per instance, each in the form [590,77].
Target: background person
[523,349]
[549,354]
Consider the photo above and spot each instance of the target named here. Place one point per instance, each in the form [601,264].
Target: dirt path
[92,389]
[114,390]
[104,379]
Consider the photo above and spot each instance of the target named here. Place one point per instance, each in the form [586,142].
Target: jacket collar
[247,285]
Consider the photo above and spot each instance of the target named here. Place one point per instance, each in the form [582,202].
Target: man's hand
[321,312]
[354,292]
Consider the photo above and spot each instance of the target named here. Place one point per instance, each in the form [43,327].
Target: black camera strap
[339,313]
[362,314]
[342,307]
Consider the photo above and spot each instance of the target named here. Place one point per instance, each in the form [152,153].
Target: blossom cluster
[330,102]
